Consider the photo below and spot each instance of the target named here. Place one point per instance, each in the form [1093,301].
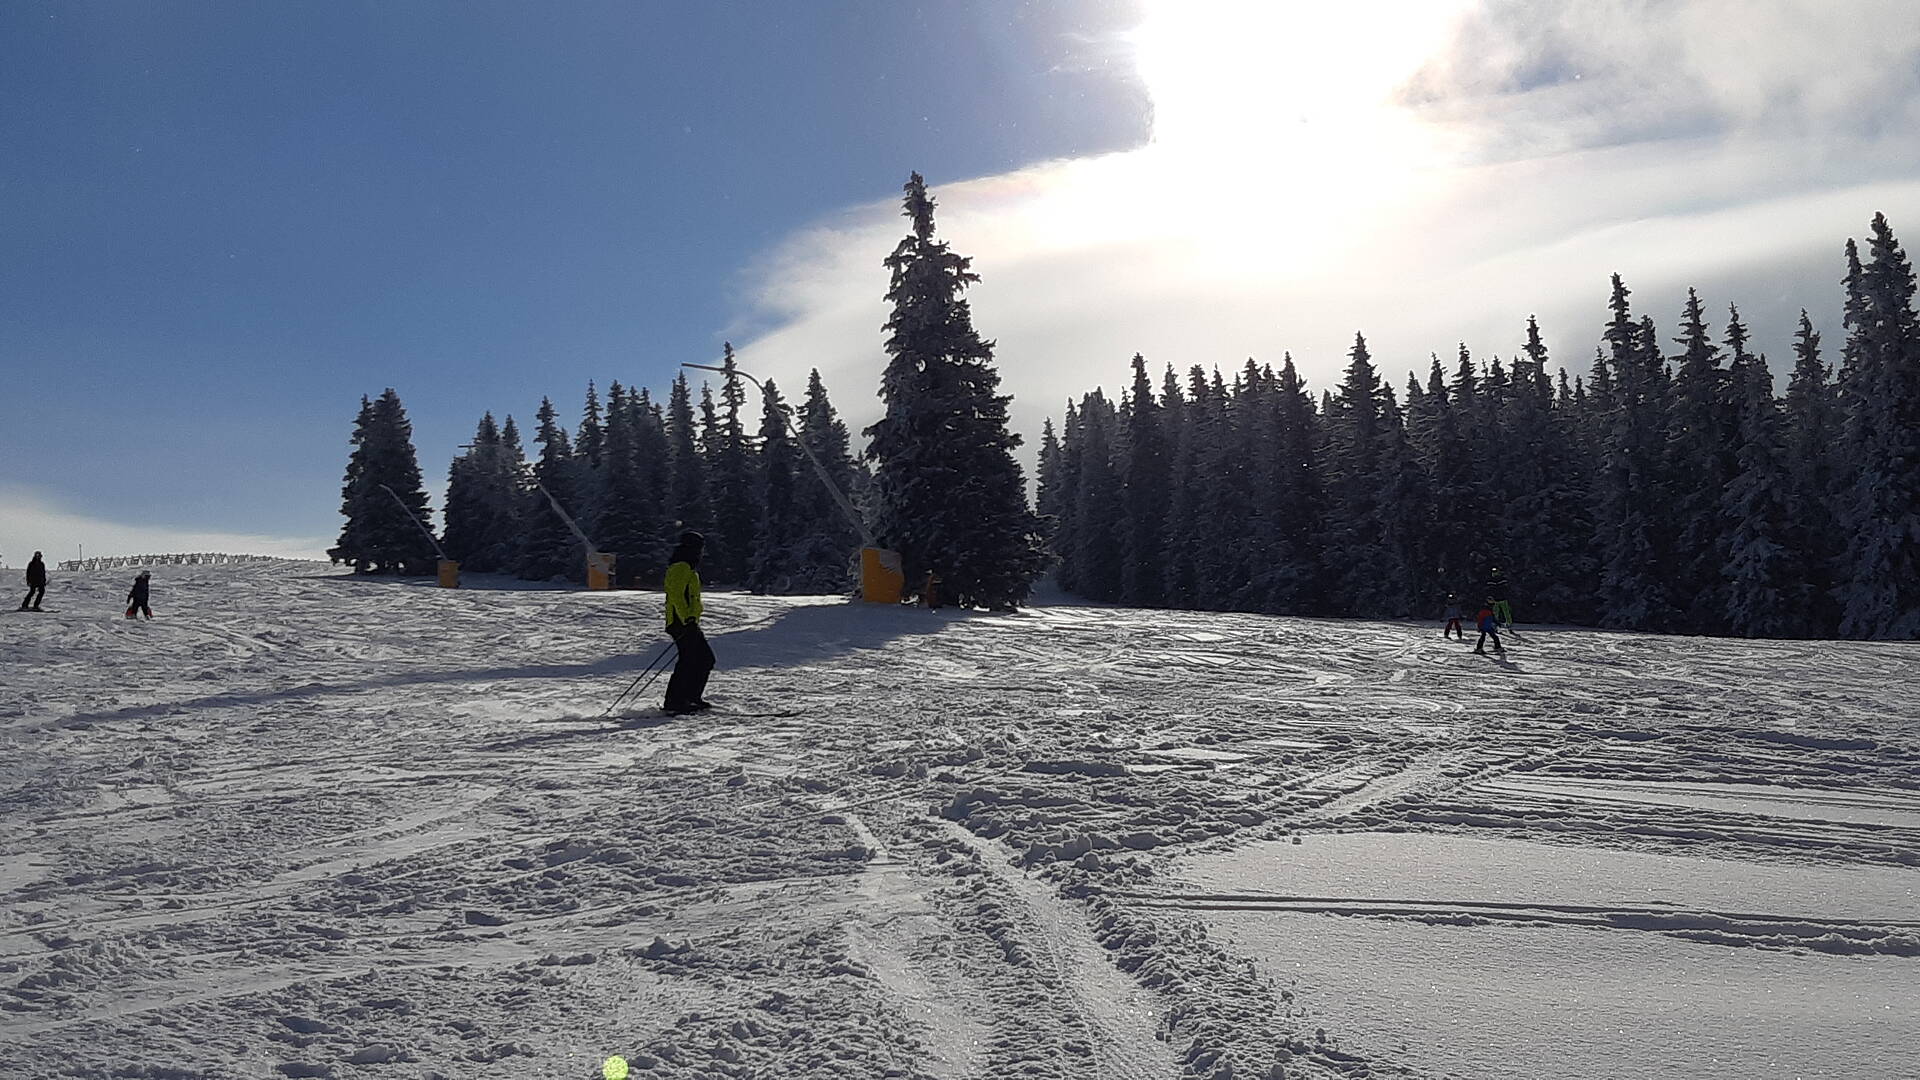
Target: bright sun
[1275,121]
[1225,74]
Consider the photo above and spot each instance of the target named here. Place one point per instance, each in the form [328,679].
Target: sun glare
[1293,101]
[1224,72]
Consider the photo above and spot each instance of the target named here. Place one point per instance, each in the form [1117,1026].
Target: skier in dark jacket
[36,584]
[1497,596]
[1489,628]
[695,660]
[137,597]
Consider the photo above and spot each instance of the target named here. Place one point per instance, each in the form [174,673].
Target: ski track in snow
[304,824]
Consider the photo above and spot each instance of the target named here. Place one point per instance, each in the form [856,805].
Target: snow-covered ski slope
[308,825]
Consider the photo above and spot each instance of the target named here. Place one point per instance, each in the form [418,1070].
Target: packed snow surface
[305,824]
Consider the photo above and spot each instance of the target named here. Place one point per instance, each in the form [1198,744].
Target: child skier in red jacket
[1489,628]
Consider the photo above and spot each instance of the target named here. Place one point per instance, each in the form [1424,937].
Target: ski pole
[651,679]
[635,686]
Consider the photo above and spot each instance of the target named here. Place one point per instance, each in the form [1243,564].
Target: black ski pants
[1481,645]
[691,668]
[34,595]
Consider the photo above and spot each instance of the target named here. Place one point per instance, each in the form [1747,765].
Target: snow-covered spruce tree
[1880,385]
[379,536]
[1626,494]
[1546,497]
[1147,481]
[1220,550]
[1258,432]
[589,465]
[506,538]
[1294,505]
[1187,531]
[776,552]
[590,440]
[1471,497]
[731,472]
[1766,588]
[654,467]
[1065,531]
[1230,562]
[687,503]
[485,501]
[827,540]
[1046,500]
[1406,510]
[631,523]
[949,495]
[1813,432]
[463,517]
[1460,520]
[1366,584]
[1099,521]
[551,551]
[1699,462]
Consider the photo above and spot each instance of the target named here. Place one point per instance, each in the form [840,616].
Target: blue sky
[225,222]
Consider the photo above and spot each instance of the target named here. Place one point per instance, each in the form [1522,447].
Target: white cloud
[1432,185]
[30,522]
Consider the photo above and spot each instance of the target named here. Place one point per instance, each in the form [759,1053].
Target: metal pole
[424,531]
[786,413]
[558,509]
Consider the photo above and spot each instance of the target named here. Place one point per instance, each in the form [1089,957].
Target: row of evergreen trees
[944,489]
[1663,491]
[635,473]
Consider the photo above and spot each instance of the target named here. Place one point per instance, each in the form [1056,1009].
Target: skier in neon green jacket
[686,688]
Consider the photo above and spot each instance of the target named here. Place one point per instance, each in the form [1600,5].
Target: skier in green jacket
[1497,597]
[695,661]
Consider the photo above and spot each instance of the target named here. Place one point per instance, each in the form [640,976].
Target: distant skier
[695,660]
[930,591]
[36,584]
[137,597]
[1452,615]
[1497,596]
[1489,628]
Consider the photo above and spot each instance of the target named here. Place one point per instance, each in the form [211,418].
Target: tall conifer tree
[1147,483]
[551,550]
[731,472]
[1699,462]
[1881,588]
[687,469]
[828,538]
[383,533]
[1358,436]
[1626,495]
[1766,588]
[1813,432]
[949,495]
[777,556]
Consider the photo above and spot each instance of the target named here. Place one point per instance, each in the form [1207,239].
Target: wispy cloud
[1430,185]
[31,522]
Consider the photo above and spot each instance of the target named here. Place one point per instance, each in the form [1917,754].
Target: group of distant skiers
[37,589]
[687,687]
[1496,613]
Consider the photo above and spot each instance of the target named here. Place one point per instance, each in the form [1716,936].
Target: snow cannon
[600,570]
[882,576]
